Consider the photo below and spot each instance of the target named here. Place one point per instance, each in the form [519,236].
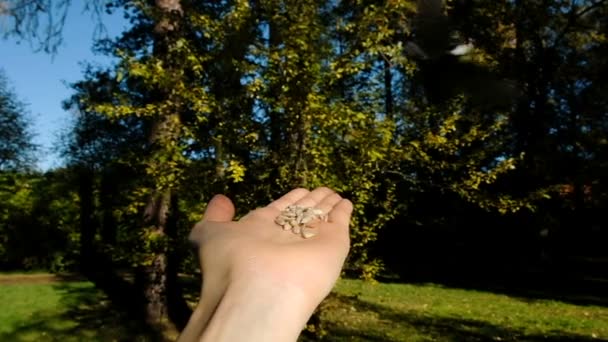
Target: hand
[255,256]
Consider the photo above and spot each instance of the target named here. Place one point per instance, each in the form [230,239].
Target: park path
[38,278]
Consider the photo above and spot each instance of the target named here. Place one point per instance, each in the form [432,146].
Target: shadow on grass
[416,327]
[84,313]
[527,287]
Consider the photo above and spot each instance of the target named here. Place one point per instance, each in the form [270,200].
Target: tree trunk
[87,226]
[178,310]
[276,138]
[388,90]
[155,277]
[108,223]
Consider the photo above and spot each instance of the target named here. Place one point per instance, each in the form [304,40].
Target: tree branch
[576,15]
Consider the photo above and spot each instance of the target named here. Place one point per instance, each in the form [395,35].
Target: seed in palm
[301,220]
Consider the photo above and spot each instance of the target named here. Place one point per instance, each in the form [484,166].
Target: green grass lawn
[63,311]
[356,311]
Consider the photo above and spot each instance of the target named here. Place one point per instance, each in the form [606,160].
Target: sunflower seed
[300,220]
[296,229]
[307,234]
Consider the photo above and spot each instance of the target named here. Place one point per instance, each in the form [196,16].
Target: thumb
[219,209]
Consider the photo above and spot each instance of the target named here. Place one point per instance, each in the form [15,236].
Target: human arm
[262,283]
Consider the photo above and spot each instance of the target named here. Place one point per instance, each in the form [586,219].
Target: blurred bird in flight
[445,69]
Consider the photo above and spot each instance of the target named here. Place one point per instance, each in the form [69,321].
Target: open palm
[255,248]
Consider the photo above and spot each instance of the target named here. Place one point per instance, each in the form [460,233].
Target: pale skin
[262,283]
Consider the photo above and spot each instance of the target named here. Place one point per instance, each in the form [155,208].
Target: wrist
[259,310]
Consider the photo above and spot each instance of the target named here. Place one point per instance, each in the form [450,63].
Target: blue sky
[41,80]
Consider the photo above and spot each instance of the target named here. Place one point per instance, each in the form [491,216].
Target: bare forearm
[259,311]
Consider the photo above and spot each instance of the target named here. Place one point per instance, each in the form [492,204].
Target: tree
[16,146]
[42,21]
[252,98]
[155,88]
[38,220]
[98,149]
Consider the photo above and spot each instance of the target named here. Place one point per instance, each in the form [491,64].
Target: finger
[314,197]
[327,204]
[219,209]
[341,213]
[288,199]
